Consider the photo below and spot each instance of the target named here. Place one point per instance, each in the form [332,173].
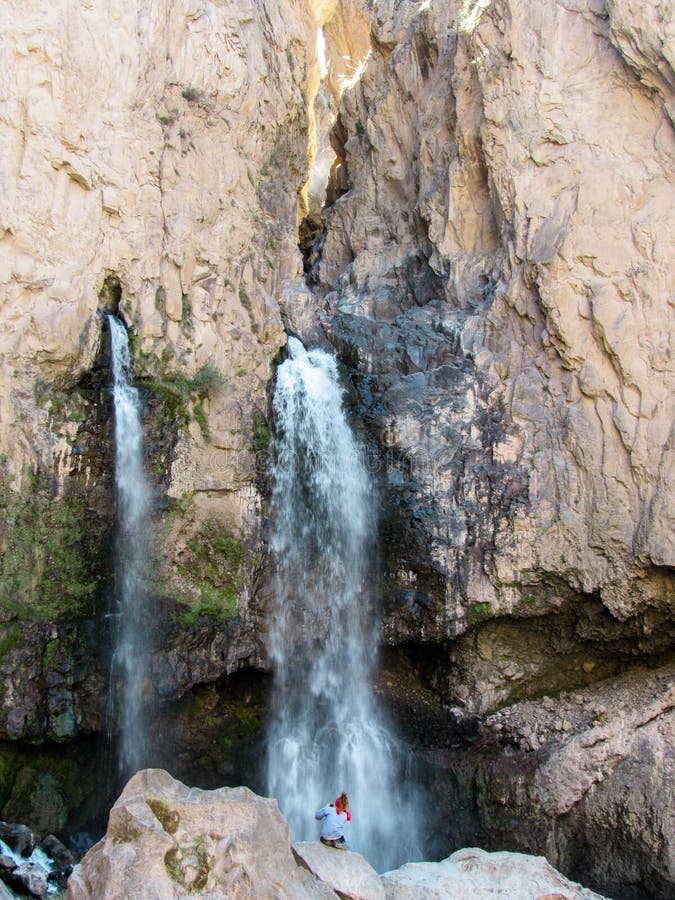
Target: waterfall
[327,732]
[131,651]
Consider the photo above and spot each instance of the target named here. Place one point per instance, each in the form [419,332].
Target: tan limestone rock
[145,148]
[166,840]
[345,872]
[485,172]
[477,874]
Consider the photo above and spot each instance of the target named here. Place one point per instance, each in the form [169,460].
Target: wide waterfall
[327,732]
[130,658]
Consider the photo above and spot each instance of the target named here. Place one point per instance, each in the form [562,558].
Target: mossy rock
[478,612]
[169,818]
[46,569]
[213,567]
[44,790]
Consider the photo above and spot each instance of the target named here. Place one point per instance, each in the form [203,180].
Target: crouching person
[334,817]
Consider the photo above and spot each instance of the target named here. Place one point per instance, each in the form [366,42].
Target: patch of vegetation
[245,301]
[201,419]
[208,380]
[192,94]
[177,858]
[215,569]
[261,440]
[360,130]
[183,397]
[45,564]
[168,118]
[42,789]
[168,818]
[11,636]
[478,612]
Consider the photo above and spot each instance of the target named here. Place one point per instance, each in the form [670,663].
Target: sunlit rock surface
[166,840]
[346,872]
[152,163]
[480,875]
[498,275]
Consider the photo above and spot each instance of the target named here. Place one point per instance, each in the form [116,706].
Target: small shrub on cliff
[192,94]
[208,380]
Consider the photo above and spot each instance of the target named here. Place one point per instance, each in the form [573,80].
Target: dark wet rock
[18,838]
[7,864]
[57,851]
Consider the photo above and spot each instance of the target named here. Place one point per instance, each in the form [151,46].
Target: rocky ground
[165,840]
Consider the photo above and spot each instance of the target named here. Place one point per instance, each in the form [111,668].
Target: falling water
[131,651]
[327,732]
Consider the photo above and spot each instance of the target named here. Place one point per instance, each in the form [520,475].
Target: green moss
[176,857]
[51,654]
[261,440]
[182,396]
[11,636]
[43,791]
[172,864]
[215,569]
[169,818]
[201,420]
[45,564]
[208,381]
[192,94]
[245,301]
[261,432]
[478,612]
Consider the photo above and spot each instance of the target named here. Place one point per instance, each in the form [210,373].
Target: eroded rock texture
[499,276]
[496,272]
[152,162]
[494,267]
[167,840]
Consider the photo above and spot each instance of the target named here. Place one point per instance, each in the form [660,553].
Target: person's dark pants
[338,843]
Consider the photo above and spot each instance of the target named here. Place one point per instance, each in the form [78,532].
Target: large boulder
[477,874]
[347,873]
[167,840]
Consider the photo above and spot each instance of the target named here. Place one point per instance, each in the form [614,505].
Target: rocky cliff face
[492,264]
[153,162]
[498,275]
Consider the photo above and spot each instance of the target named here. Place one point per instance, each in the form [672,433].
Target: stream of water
[130,658]
[327,732]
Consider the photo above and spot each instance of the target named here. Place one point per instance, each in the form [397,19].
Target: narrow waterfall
[327,732]
[130,656]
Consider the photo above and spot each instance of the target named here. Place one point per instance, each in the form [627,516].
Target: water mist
[327,732]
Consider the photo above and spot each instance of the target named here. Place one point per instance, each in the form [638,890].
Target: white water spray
[327,732]
[130,660]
